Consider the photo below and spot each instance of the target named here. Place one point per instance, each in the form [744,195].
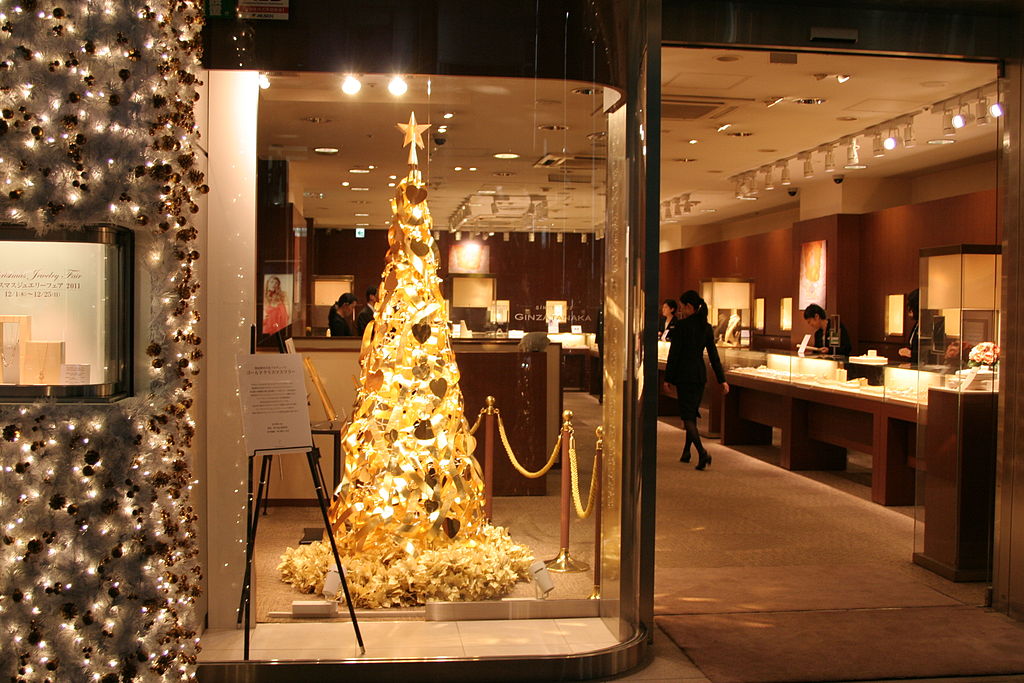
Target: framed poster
[812,274]
[469,257]
[277,302]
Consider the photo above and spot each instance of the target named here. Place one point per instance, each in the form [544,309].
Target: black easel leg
[253,523]
[313,457]
[243,608]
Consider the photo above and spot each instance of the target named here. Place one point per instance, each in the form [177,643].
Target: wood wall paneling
[869,257]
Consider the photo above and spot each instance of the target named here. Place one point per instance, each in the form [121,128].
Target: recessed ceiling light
[684,160]
[693,141]
[448,115]
[472,168]
[715,171]
[397,86]
[739,134]
[504,174]
[362,214]
[552,127]
[362,225]
[391,184]
[350,85]
[393,177]
[846,118]
[727,58]
[458,168]
[810,100]
[345,183]
[506,155]
[359,189]
[747,198]
[358,170]
[941,141]
[326,150]
[724,127]
[768,151]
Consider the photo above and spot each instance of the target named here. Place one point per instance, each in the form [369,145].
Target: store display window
[65,313]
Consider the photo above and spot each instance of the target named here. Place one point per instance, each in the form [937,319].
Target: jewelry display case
[730,309]
[957,424]
[65,313]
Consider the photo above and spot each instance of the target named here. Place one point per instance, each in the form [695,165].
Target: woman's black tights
[692,437]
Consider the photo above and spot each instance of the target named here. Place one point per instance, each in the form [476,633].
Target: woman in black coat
[685,368]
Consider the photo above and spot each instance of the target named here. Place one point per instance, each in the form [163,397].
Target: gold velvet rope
[582,512]
[515,463]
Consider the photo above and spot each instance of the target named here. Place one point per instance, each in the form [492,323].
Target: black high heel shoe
[703,461]
[685,457]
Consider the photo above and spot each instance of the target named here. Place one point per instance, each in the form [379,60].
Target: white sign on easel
[272,388]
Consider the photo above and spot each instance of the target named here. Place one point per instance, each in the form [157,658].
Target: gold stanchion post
[564,562]
[489,413]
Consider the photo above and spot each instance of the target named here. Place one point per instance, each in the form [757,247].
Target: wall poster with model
[277,314]
[812,274]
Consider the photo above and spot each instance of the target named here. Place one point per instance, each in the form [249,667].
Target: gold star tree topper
[413,132]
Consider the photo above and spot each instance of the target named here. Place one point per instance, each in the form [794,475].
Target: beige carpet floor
[849,645]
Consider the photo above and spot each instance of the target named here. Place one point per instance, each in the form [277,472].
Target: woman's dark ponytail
[700,307]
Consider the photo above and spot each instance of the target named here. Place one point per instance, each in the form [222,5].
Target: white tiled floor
[410,639]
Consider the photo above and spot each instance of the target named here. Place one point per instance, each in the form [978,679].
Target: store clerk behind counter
[819,325]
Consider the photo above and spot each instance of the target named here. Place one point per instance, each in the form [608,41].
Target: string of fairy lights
[98,569]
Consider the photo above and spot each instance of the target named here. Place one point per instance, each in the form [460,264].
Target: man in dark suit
[339,320]
[366,314]
[819,324]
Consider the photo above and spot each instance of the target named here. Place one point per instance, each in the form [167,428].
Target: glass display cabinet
[65,313]
[730,309]
[957,423]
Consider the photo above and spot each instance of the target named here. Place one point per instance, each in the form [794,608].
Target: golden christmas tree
[409,512]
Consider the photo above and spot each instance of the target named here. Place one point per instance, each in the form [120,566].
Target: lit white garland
[98,555]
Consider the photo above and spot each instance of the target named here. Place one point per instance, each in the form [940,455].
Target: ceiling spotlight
[345,183]
[693,141]
[350,85]
[808,165]
[947,123]
[996,109]
[506,155]
[842,78]
[981,116]
[448,115]
[326,150]
[853,156]
[891,141]
[772,101]
[264,81]
[830,161]
[397,86]
[769,182]
[724,127]
[877,146]
[958,119]
[784,179]
[358,170]
[908,135]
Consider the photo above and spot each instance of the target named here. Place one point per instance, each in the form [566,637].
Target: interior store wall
[526,273]
[888,243]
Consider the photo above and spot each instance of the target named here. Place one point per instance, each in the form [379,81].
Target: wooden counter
[818,426]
